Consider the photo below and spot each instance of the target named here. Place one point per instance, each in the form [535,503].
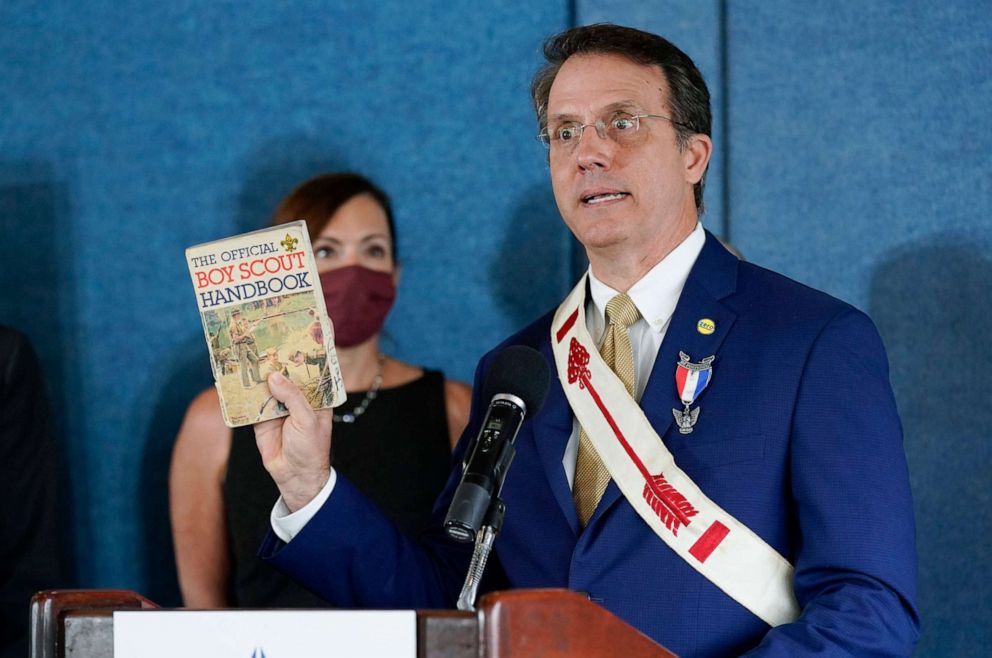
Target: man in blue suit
[786,440]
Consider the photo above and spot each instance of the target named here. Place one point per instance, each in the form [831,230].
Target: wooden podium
[549,623]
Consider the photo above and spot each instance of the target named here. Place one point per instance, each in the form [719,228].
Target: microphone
[516,387]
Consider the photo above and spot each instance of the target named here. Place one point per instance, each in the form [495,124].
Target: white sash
[716,544]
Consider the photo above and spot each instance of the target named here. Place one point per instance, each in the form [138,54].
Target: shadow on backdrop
[534,269]
[933,306]
[270,173]
[185,373]
[275,168]
[38,296]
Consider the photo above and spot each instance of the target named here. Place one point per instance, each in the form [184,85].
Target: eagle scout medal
[690,379]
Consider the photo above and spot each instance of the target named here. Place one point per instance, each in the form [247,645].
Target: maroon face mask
[358,300]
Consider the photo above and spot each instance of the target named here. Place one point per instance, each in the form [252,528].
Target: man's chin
[603,241]
[597,232]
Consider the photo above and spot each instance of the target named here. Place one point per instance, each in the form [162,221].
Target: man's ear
[696,157]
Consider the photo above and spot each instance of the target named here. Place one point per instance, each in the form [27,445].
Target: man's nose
[595,149]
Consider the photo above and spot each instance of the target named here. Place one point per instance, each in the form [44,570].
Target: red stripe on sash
[665,500]
[679,514]
[616,430]
[708,542]
[568,325]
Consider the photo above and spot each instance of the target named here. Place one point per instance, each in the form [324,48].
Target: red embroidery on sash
[567,325]
[709,540]
[578,359]
[671,506]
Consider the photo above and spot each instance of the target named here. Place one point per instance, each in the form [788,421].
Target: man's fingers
[295,448]
[287,392]
[325,420]
[268,438]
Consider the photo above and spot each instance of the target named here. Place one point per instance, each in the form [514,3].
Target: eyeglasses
[621,127]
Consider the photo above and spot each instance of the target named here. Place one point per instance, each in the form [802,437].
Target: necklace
[369,396]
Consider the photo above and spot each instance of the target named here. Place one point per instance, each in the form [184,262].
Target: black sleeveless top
[397,453]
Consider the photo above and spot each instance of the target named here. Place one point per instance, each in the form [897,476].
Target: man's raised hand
[295,449]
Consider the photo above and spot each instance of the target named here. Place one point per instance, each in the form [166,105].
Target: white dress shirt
[655,296]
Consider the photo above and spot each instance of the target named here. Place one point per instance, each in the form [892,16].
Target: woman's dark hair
[319,198]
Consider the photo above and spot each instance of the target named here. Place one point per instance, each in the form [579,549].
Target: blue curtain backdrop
[131,130]
[853,145]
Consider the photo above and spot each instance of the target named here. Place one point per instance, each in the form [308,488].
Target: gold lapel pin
[706,326]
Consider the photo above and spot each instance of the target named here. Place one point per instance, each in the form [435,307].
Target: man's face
[622,201]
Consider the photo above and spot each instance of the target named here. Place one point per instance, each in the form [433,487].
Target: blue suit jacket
[798,438]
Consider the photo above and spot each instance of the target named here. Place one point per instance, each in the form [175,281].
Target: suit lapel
[552,429]
[713,277]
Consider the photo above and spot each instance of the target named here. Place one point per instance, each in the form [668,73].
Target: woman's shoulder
[205,411]
[457,403]
[457,393]
[203,432]
[398,373]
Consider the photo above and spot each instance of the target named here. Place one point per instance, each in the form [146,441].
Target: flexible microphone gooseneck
[516,387]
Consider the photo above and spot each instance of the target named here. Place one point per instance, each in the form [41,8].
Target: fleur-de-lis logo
[289,242]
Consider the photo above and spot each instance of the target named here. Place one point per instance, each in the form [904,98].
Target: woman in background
[392,438]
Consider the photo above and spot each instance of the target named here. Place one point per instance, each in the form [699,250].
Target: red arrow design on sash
[671,506]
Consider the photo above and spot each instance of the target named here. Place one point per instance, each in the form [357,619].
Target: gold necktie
[591,476]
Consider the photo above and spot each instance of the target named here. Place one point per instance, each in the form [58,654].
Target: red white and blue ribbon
[691,382]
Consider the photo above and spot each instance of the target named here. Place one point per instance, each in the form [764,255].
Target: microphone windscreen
[521,371]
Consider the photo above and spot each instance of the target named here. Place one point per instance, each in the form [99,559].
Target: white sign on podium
[265,634]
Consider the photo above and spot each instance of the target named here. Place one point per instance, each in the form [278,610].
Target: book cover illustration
[263,311]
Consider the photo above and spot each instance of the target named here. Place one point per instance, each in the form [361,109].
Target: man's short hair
[688,96]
